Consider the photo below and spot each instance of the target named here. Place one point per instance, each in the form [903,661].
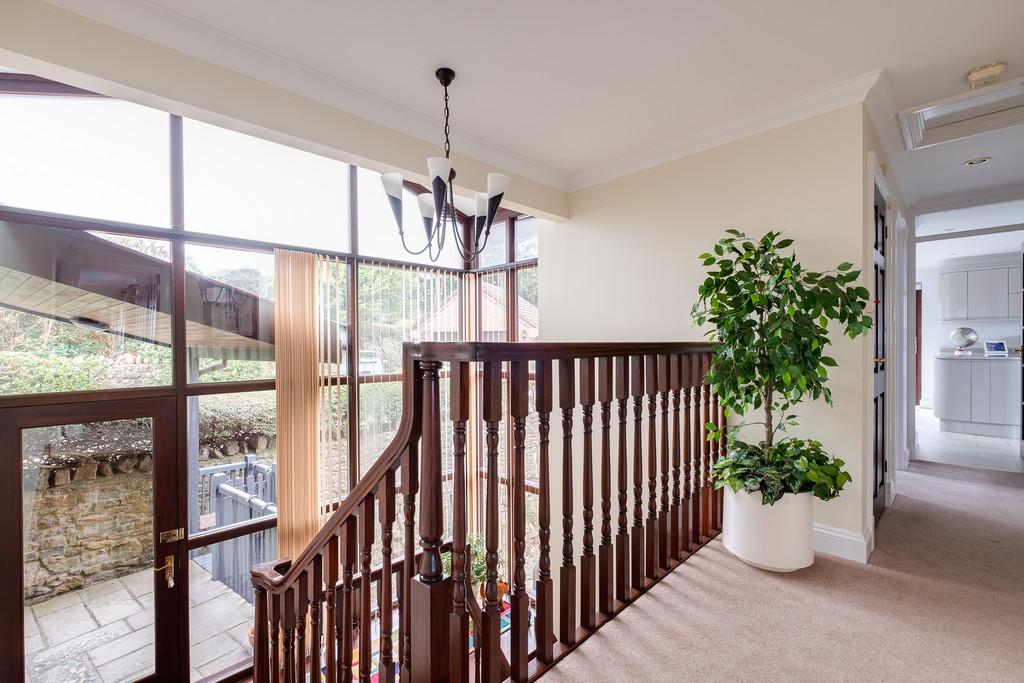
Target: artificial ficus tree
[770,321]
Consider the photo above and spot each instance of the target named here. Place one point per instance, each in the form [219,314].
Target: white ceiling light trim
[820,101]
[162,25]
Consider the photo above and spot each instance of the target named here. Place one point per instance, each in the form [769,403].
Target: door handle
[168,570]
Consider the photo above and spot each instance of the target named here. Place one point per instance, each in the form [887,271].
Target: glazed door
[94,549]
[878,370]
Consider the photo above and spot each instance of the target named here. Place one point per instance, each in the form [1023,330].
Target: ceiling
[568,92]
[931,254]
[972,218]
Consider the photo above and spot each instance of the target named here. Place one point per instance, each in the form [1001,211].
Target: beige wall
[624,267]
[51,42]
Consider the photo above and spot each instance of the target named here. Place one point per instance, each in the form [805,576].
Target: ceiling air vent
[978,111]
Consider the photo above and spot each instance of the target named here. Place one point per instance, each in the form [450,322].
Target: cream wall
[43,39]
[624,267]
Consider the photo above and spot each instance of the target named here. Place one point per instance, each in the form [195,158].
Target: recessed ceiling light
[977,161]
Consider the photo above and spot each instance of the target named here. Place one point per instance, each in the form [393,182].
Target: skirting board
[842,543]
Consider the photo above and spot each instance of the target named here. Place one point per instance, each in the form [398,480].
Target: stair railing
[316,612]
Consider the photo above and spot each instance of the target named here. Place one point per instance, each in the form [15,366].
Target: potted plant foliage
[476,568]
[770,320]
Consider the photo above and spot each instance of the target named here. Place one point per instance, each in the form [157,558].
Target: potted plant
[769,317]
[477,569]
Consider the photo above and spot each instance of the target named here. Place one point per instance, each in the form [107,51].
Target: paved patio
[105,632]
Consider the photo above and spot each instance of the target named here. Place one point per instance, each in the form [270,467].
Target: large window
[160,279]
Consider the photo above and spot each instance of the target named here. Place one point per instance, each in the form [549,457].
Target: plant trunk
[769,420]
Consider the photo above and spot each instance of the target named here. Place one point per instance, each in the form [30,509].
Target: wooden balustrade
[333,603]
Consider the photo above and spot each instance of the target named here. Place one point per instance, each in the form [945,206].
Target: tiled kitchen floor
[986,452]
[104,633]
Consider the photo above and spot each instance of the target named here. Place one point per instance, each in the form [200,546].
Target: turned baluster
[675,535]
[605,584]
[567,596]
[491,628]
[713,445]
[365,523]
[410,486]
[261,632]
[684,383]
[275,627]
[331,608]
[316,628]
[663,514]
[651,382]
[588,615]
[705,468]
[343,624]
[637,568]
[386,602]
[288,655]
[723,451]
[695,450]
[302,604]
[622,537]
[459,413]
[520,601]
[544,622]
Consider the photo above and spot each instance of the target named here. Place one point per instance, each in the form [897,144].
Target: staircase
[333,609]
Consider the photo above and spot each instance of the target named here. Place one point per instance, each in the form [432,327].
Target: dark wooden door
[89,508]
[878,367]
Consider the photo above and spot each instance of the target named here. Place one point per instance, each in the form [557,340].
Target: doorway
[880,466]
[90,493]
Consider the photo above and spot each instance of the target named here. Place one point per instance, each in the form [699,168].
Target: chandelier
[437,207]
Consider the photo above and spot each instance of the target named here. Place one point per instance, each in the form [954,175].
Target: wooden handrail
[329,585]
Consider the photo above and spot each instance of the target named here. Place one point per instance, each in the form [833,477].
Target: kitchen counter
[978,394]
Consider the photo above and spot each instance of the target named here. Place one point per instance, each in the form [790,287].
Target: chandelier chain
[447,128]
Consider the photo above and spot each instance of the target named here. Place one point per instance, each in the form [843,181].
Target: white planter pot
[774,537]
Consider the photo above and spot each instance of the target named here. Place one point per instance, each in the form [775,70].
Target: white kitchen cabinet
[981,395]
[953,389]
[953,296]
[1004,393]
[1014,277]
[978,394]
[988,293]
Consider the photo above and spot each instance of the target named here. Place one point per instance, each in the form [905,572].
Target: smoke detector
[990,74]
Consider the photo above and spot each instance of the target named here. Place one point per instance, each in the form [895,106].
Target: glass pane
[380,413]
[332,310]
[493,323]
[527,240]
[232,458]
[528,325]
[378,232]
[87,156]
[220,601]
[334,447]
[496,251]
[82,311]
[397,305]
[229,310]
[88,551]
[242,186]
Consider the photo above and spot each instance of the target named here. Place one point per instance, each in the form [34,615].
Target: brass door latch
[168,570]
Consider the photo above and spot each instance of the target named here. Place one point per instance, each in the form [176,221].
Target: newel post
[430,595]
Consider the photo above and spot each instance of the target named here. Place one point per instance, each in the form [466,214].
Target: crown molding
[805,106]
[160,24]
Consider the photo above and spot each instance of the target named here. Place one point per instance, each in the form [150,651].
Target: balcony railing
[407,617]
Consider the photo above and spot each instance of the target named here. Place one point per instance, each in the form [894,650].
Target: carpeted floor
[941,600]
